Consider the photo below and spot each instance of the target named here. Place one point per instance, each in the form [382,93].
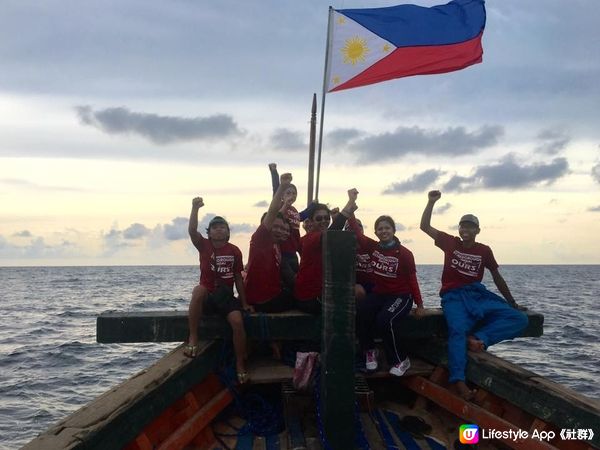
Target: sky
[115,114]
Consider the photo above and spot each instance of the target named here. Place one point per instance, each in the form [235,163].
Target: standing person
[364,269]
[290,246]
[309,282]
[395,289]
[220,269]
[476,317]
[264,290]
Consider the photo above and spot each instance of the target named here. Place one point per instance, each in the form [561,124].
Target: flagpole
[325,77]
[311,150]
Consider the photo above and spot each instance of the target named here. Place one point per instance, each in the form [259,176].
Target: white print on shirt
[293,218]
[466,263]
[224,265]
[363,263]
[386,266]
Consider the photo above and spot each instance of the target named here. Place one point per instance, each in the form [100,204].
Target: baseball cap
[469,218]
[216,220]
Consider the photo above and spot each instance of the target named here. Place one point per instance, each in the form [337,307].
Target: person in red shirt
[309,281]
[476,317]
[395,289]
[264,290]
[220,269]
[364,270]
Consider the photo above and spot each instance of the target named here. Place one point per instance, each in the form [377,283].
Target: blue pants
[382,314]
[473,310]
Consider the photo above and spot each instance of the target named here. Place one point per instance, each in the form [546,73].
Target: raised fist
[198,202]
[352,194]
[434,195]
[272,166]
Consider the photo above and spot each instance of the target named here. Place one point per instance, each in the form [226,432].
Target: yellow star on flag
[335,80]
[387,48]
[341,19]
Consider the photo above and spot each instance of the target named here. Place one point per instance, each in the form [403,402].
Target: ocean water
[50,364]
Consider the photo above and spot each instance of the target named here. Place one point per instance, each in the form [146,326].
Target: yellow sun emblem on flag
[355,50]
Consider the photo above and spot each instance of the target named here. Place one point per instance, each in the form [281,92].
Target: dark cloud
[342,136]
[416,183]
[261,204]
[159,129]
[594,208]
[284,139]
[24,233]
[443,208]
[552,141]
[509,174]
[596,173]
[136,231]
[415,140]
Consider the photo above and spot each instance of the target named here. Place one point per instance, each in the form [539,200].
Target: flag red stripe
[423,60]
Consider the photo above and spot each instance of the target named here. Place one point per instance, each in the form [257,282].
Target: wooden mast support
[311,150]
[337,345]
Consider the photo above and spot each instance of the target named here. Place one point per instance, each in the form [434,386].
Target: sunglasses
[321,218]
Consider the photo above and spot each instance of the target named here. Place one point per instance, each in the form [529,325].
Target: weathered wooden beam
[338,341]
[536,395]
[115,418]
[172,326]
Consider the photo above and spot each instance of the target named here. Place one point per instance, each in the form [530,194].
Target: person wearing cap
[476,317]
[264,289]
[220,269]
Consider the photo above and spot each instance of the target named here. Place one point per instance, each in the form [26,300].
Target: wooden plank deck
[171,326]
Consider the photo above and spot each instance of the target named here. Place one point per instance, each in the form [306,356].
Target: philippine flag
[370,45]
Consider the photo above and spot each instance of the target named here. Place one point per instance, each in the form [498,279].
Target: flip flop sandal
[191,351]
[243,377]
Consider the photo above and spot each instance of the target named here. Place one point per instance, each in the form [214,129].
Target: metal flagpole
[311,150]
[325,78]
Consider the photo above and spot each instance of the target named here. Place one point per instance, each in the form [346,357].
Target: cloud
[37,248]
[284,139]
[342,136]
[509,174]
[243,228]
[553,141]
[596,173]
[594,208]
[24,233]
[159,129]
[399,226]
[178,228]
[416,183]
[415,140]
[261,204]
[443,208]
[136,231]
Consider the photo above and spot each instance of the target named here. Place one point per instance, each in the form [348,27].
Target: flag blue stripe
[411,25]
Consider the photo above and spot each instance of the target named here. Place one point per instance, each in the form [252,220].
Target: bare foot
[461,389]
[475,345]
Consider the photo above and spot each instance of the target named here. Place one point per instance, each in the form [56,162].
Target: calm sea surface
[50,364]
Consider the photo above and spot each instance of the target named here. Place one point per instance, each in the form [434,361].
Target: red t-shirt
[309,281]
[463,265]
[228,261]
[364,270]
[292,243]
[394,270]
[263,281]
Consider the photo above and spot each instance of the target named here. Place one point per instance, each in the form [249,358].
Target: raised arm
[274,177]
[195,235]
[346,212]
[275,205]
[433,197]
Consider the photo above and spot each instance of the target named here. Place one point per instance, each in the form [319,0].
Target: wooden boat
[180,403]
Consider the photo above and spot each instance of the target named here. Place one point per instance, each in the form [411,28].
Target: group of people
[387,288]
